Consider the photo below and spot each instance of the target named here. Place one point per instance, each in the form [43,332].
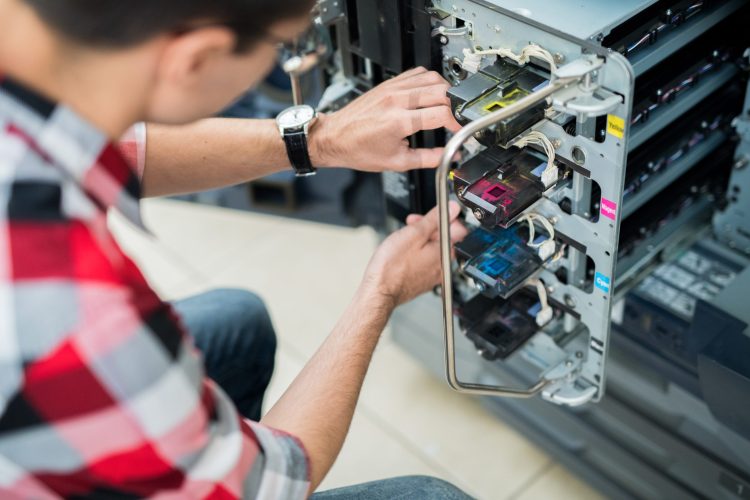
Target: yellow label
[509,99]
[615,126]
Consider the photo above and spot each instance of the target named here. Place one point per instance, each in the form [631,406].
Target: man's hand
[407,264]
[370,133]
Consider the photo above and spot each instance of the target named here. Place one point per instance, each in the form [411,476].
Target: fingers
[412,219]
[425,97]
[428,224]
[417,80]
[408,74]
[420,158]
[458,231]
[430,119]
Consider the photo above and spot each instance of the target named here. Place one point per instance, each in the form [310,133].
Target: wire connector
[551,173]
[547,250]
[546,313]
[472,61]
[550,176]
[474,57]
[544,316]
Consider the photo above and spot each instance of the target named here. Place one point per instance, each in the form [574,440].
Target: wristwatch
[294,124]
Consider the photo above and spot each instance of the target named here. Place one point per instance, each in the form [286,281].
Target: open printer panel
[619,259]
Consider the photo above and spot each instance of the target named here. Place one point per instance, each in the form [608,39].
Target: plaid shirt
[101,392]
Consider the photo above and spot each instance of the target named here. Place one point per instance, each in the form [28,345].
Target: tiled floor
[307,272]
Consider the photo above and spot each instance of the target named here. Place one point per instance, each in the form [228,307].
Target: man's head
[199,54]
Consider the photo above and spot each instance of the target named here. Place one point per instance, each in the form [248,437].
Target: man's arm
[369,135]
[319,405]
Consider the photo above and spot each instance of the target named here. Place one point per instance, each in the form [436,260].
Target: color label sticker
[609,209]
[602,282]
[615,126]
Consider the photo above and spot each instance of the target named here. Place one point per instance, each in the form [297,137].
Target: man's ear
[187,56]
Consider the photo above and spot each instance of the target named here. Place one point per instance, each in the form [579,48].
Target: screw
[478,214]
[443,40]
[568,363]
[579,354]
[570,301]
[558,58]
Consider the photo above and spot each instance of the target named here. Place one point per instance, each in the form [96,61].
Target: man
[101,391]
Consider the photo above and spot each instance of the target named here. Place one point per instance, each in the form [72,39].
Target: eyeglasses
[281,43]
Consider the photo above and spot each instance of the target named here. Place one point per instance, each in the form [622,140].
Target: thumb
[428,225]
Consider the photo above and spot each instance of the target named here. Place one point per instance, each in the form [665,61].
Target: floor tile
[166,273]
[451,430]
[307,274]
[202,235]
[371,453]
[357,463]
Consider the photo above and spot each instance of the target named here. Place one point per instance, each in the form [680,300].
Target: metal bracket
[329,11]
[588,100]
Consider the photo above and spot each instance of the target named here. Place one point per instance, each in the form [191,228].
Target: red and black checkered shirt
[101,392]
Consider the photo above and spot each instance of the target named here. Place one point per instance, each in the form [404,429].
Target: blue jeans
[398,488]
[234,332]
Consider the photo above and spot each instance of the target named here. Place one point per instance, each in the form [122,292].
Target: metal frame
[572,374]
[441,180]
[732,226]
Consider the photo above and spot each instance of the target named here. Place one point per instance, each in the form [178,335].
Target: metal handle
[449,153]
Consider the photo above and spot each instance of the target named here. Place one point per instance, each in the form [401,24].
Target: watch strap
[296,150]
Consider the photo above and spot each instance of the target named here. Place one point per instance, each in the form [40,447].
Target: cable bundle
[473,58]
[550,175]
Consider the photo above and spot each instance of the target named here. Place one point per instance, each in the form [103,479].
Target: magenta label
[609,209]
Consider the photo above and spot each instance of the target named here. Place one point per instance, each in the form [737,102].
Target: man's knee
[249,316]
[231,326]
[429,488]
[407,487]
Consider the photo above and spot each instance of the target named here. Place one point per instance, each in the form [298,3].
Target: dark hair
[122,23]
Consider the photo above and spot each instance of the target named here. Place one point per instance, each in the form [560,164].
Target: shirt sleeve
[286,469]
[133,147]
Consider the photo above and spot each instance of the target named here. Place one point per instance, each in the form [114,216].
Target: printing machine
[615,137]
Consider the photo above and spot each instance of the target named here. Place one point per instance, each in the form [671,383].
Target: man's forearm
[319,405]
[210,154]
[369,135]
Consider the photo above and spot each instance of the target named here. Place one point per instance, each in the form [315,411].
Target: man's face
[200,74]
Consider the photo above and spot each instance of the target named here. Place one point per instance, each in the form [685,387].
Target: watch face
[295,117]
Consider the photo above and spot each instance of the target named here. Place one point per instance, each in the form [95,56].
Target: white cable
[530,218]
[547,248]
[444,30]
[473,58]
[541,290]
[545,314]
[550,174]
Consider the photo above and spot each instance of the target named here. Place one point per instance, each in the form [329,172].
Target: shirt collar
[77,148]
